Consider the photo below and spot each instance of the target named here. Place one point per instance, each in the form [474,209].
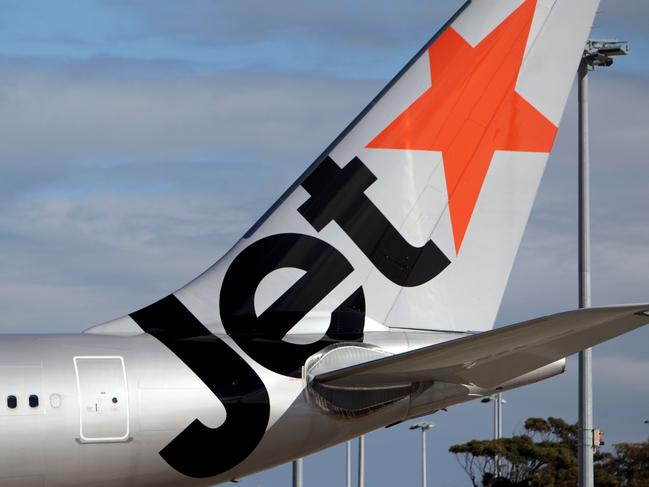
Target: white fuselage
[108,405]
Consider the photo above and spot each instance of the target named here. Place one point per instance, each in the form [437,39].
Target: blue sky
[141,139]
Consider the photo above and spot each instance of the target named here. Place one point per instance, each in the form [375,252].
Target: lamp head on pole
[422,426]
[601,52]
[488,399]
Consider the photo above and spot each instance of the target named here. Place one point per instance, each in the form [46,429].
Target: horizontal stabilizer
[492,358]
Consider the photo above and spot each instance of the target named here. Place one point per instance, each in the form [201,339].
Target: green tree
[630,465]
[546,456]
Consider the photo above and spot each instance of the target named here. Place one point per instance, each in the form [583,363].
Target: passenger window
[33,401]
[12,402]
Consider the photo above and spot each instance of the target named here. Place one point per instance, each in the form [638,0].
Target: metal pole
[298,468]
[499,401]
[497,427]
[349,463]
[361,461]
[423,457]
[423,427]
[586,475]
[495,417]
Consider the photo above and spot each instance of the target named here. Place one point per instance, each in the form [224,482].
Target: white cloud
[50,118]
[215,23]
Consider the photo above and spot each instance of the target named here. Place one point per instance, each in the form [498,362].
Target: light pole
[499,415]
[423,427]
[298,472]
[498,420]
[348,448]
[498,401]
[597,53]
[361,461]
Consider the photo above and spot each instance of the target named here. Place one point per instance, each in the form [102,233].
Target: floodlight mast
[298,472]
[597,53]
[423,427]
[361,461]
[348,463]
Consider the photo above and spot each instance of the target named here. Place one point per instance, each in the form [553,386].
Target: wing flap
[492,358]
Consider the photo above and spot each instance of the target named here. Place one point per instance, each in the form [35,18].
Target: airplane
[365,297]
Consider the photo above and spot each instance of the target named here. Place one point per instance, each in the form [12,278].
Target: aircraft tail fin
[413,216]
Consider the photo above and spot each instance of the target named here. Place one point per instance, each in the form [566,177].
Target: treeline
[546,456]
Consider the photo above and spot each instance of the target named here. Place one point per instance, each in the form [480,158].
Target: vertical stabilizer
[413,216]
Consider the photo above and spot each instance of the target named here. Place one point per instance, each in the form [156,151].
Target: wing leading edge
[492,358]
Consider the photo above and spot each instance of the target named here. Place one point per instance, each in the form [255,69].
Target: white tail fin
[413,216]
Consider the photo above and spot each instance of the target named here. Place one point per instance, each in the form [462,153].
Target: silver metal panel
[103,399]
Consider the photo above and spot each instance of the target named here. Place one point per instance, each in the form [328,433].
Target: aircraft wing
[492,358]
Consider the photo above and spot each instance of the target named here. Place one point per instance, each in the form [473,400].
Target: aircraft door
[103,399]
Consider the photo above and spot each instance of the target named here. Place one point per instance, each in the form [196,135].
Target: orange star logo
[472,110]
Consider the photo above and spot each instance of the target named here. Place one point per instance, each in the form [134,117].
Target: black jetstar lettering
[245,400]
[338,194]
[261,336]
